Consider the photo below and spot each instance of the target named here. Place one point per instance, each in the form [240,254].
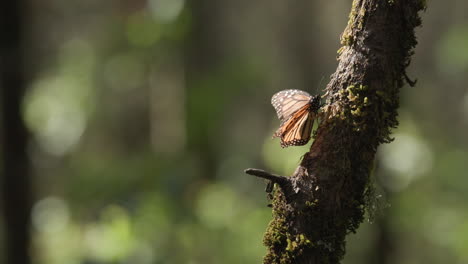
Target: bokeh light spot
[217,205]
[57,106]
[407,158]
[52,113]
[166,10]
[50,215]
[110,239]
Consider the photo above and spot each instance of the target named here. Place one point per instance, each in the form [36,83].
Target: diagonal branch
[331,185]
[280,180]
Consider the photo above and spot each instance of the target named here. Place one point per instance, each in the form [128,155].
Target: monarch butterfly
[297,111]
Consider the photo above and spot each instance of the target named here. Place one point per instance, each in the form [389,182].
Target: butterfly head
[315,103]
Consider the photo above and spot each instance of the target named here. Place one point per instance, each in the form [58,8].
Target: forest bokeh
[143,115]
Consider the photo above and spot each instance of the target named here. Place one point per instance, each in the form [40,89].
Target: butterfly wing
[297,129]
[287,102]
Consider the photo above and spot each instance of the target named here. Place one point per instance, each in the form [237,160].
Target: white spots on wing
[294,142]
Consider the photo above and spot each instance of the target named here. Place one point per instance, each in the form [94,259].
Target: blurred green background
[144,114]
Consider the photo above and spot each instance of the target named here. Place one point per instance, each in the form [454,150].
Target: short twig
[280,180]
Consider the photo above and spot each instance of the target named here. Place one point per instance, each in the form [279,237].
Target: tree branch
[331,187]
[268,176]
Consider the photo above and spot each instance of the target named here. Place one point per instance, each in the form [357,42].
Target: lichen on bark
[327,196]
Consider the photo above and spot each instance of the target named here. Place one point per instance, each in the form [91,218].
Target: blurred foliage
[137,162]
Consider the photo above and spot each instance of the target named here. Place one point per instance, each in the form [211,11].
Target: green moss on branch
[331,189]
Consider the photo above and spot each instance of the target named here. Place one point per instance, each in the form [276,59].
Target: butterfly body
[297,111]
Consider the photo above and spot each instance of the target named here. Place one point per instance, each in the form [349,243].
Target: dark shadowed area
[126,127]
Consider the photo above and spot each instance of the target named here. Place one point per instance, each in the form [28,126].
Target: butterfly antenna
[319,85]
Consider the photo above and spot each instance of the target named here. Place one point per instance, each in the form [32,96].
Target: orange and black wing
[297,129]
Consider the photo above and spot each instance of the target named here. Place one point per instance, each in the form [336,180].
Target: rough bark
[328,194]
[16,184]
